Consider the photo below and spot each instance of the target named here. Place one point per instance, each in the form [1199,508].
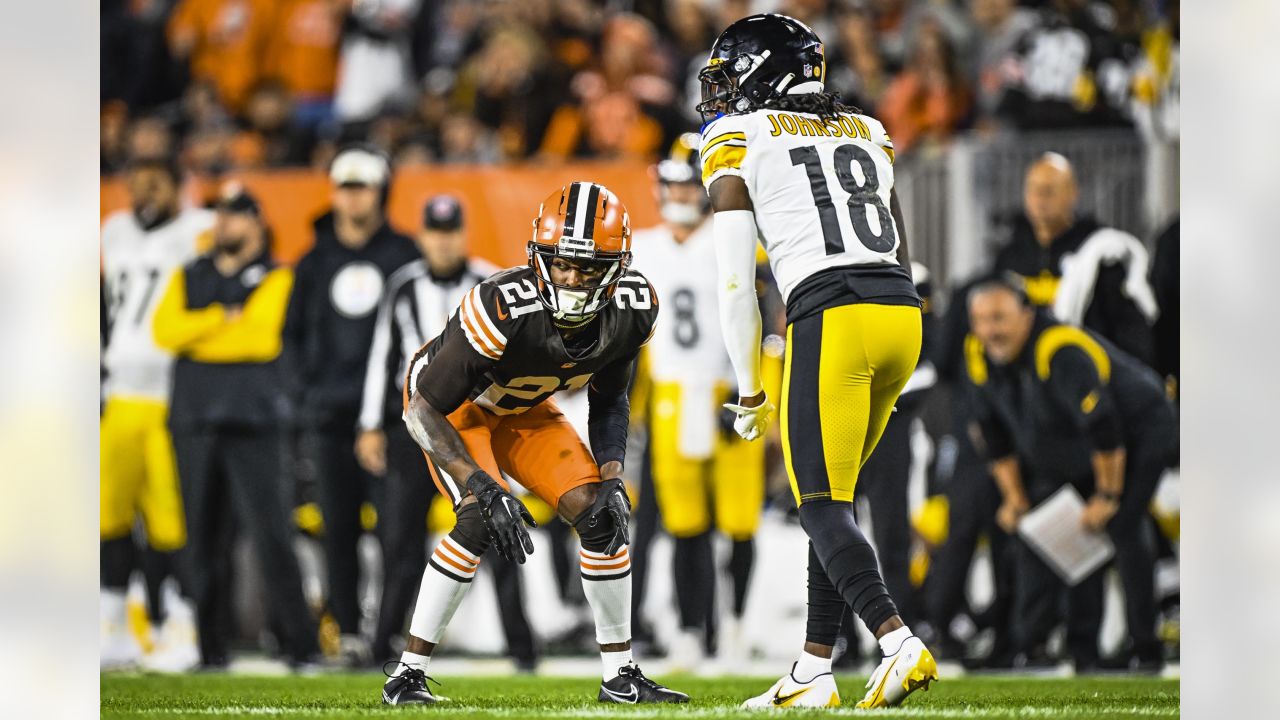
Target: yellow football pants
[732,478]
[138,474]
[843,372]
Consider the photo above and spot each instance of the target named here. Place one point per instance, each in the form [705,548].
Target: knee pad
[594,533]
[458,554]
[469,531]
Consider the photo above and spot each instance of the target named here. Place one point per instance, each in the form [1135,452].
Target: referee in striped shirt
[415,308]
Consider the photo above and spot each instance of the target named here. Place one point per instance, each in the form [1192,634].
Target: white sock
[112,608]
[809,667]
[891,643]
[610,662]
[607,585]
[413,660]
[444,583]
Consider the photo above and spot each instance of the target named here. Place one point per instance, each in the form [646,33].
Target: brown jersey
[501,350]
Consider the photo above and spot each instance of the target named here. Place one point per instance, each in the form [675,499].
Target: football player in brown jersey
[478,401]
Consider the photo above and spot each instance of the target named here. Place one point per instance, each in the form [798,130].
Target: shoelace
[634,673]
[411,674]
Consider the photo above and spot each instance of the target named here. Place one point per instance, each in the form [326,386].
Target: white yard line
[1026,711]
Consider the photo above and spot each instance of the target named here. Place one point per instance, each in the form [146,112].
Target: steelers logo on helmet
[583,230]
[758,59]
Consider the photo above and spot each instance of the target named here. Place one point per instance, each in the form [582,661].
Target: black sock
[115,562]
[826,607]
[741,561]
[693,575]
[156,566]
[849,559]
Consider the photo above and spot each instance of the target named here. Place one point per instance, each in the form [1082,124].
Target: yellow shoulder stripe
[1060,336]
[975,359]
[726,157]
[722,138]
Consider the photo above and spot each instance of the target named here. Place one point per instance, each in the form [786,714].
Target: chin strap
[562,322]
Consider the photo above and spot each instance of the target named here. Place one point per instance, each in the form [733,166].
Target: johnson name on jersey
[821,190]
[501,350]
[136,263]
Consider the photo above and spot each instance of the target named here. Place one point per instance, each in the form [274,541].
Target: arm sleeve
[1077,385]
[735,238]
[255,335]
[174,326]
[609,410]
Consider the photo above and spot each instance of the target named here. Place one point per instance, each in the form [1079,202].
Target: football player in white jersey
[141,248]
[785,161]
[699,473]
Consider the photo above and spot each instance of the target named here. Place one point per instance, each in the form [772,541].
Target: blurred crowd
[243,84]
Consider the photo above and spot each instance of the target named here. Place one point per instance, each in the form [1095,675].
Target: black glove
[504,517]
[612,501]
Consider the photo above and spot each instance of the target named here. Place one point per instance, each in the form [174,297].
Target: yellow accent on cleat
[925,672]
[834,701]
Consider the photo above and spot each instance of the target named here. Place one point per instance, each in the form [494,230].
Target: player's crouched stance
[478,401]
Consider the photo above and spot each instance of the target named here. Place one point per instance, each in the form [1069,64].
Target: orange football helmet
[586,223]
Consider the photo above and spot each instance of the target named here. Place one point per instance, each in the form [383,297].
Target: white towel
[1080,273]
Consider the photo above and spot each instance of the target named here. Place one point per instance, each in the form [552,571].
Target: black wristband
[480,483]
[1108,496]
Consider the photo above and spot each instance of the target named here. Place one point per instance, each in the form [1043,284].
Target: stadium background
[960,180]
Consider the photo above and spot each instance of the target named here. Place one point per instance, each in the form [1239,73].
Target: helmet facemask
[721,94]
[572,305]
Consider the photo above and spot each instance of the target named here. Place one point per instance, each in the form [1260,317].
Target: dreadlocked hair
[824,105]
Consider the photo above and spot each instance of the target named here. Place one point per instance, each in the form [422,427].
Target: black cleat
[408,687]
[631,687]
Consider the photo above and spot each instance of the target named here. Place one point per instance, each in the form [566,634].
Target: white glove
[752,421]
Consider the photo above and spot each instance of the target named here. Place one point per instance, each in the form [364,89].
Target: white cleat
[789,692]
[118,647]
[900,674]
[176,650]
[684,655]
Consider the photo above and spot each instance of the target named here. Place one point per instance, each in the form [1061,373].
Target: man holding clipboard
[1070,409]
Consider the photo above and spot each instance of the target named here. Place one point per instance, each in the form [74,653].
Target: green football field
[343,696]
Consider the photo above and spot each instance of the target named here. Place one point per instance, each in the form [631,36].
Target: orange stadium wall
[500,201]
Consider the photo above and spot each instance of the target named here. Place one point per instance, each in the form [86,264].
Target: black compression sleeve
[609,411]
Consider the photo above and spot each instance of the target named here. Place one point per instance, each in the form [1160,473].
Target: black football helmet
[759,58]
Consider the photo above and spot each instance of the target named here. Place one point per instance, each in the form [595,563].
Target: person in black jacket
[327,335]
[1067,407]
[1092,276]
[221,317]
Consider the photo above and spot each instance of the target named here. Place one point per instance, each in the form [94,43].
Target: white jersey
[686,347]
[136,267]
[820,188]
